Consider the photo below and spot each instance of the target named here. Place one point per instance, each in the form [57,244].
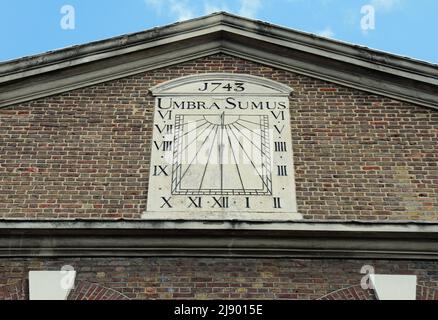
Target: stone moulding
[357,67]
[137,238]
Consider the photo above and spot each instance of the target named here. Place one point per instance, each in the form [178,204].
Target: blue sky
[404,27]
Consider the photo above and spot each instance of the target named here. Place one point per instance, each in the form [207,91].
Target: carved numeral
[168,129]
[195,202]
[277,203]
[282,171]
[164,146]
[166,202]
[280,147]
[248,205]
[278,115]
[159,170]
[279,130]
[221,202]
[213,86]
[165,115]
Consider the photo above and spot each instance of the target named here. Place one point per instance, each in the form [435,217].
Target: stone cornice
[139,238]
[357,67]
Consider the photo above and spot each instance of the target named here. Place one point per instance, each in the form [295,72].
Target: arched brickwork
[92,291]
[426,293]
[350,293]
[357,293]
[83,291]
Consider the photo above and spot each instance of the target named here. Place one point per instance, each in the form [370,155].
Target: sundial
[227,140]
[221,149]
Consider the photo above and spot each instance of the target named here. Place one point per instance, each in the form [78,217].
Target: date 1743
[229,87]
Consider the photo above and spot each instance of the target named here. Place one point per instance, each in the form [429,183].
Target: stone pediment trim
[357,67]
[141,238]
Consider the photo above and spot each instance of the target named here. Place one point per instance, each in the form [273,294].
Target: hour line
[257,124]
[249,158]
[241,132]
[197,153]
[188,132]
[254,131]
[235,159]
[208,161]
[196,138]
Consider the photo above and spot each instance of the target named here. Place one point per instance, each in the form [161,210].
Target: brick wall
[85,154]
[178,278]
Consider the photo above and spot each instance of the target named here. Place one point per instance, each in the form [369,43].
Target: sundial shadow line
[188,132]
[196,138]
[253,131]
[252,163]
[208,160]
[257,124]
[235,159]
[244,135]
[189,123]
[191,163]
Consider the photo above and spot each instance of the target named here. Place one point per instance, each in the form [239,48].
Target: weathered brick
[139,278]
[84,153]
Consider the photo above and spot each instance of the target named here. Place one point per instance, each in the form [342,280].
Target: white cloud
[249,8]
[386,5]
[154,2]
[327,32]
[350,17]
[157,4]
[181,9]
[211,8]
[188,9]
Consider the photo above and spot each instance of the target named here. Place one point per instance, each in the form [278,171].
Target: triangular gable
[352,66]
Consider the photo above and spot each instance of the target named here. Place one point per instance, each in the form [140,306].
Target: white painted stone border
[223,216]
[50,285]
[394,287]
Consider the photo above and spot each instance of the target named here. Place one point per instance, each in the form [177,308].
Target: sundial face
[221,150]
[222,154]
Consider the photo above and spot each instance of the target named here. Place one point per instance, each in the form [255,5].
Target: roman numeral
[168,129]
[166,202]
[280,147]
[195,202]
[221,202]
[158,170]
[277,203]
[278,115]
[165,115]
[164,146]
[278,129]
[282,171]
[248,206]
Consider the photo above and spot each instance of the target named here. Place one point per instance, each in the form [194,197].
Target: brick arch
[83,291]
[16,291]
[92,291]
[357,293]
[427,293]
[350,293]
